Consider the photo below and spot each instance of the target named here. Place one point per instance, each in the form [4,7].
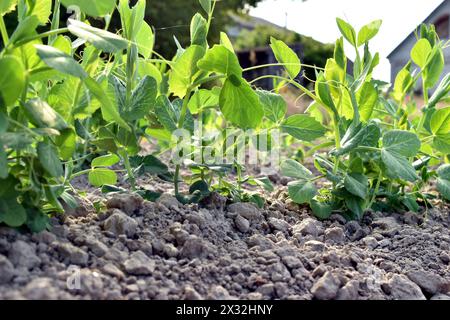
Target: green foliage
[84,105]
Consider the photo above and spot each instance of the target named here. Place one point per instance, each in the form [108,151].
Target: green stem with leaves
[3,31]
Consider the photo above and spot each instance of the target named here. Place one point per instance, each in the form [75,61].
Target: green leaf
[441,91]
[4,122]
[204,98]
[166,113]
[440,122]
[145,40]
[206,5]
[97,8]
[402,143]
[321,210]
[150,163]
[12,213]
[67,143]
[367,99]
[4,172]
[12,79]
[26,28]
[355,205]
[60,61]
[420,52]
[398,167]
[301,191]
[101,39]
[221,60]
[286,56]
[443,181]
[347,31]
[226,42]
[303,127]
[101,176]
[368,31]
[434,68]
[42,10]
[109,111]
[364,135]
[199,31]
[356,184]
[7,6]
[240,104]
[43,116]
[323,90]
[37,221]
[16,140]
[142,100]
[105,161]
[184,69]
[293,169]
[49,159]
[403,83]
[275,107]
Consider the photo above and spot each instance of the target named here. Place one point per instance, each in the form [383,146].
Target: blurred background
[308,26]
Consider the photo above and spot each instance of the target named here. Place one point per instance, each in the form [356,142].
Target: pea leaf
[60,61]
[184,70]
[420,52]
[226,42]
[142,100]
[401,142]
[7,6]
[221,60]
[286,56]
[206,5]
[274,105]
[67,143]
[293,169]
[303,127]
[355,205]
[96,8]
[101,176]
[434,68]
[367,99]
[145,40]
[398,166]
[12,79]
[105,161]
[301,191]
[368,31]
[240,104]
[49,159]
[440,127]
[166,113]
[204,98]
[321,210]
[347,31]
[3,164]
[109,111]
[12,213]
[356,184]
[443,181]
[43,116]
[101,39]
[199,31]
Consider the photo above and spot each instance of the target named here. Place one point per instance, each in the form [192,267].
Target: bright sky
[317,18]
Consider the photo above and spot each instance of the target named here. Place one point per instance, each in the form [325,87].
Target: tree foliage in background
[315,53]
[172,18]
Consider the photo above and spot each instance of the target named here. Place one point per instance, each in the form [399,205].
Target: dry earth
[165,250]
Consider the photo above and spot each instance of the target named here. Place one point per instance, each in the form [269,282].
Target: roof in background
[412,33]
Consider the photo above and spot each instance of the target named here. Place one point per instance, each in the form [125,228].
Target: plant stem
[4,32]
[180,125]
[126,161]
[281,64]
[311,151]
[41,36]
[375,192]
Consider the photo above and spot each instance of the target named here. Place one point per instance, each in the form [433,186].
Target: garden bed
[165,250]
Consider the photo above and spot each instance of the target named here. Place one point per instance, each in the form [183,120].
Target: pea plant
[82,100]
[379,149]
